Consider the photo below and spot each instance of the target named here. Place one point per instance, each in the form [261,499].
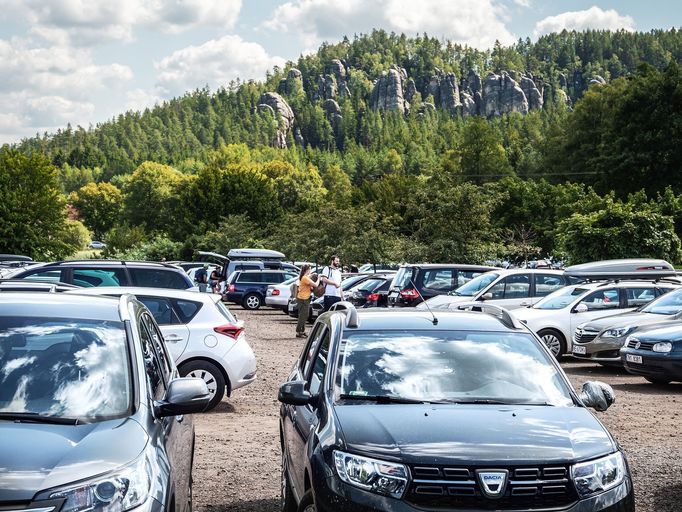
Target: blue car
[248,287]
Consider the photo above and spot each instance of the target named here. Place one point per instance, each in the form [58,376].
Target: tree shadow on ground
[668,498]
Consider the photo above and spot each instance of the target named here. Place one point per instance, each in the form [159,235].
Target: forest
[592,172]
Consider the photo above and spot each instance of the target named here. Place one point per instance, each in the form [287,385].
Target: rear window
[186,309]
[225,312]
[250,277]
[161,310]
[159,278]
[403,278]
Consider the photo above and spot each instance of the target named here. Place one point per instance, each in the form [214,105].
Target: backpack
[319,290]
[293,288]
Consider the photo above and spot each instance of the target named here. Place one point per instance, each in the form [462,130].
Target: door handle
[173,338]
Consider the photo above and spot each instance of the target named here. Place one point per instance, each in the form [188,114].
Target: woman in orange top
[305,290]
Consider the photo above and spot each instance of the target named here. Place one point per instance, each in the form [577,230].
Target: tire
[554,340]
[307,503]
[211,375]
[659,382]
[287,502]
[252,301]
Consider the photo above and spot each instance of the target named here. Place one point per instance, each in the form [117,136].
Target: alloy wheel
[553,343]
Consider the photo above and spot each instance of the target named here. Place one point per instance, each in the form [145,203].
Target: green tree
[99,204]
[481,153]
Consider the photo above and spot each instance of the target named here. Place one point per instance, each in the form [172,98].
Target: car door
[601,302]
[510,292]
[175,332]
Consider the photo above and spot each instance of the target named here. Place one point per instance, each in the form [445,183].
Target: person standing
[306,285]
[201,277]
[331,277]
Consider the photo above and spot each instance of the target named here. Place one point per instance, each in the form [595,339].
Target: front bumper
[333,495]
[600,350]
[655,365]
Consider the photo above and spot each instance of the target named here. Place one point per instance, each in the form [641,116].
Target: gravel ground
[237,457]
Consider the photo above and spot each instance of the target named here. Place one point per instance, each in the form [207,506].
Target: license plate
[579,350]
[630,358]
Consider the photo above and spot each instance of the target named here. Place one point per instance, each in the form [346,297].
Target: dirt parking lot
[238,457]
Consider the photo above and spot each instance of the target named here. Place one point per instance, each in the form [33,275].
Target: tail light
[275,291]
[373,296]
[230,288]
[229,330]
[409,293]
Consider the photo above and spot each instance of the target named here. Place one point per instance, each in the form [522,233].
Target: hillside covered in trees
[385,147]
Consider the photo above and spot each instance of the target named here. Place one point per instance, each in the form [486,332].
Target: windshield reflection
[668,304]
[475,285]
[449,365]
[65,368]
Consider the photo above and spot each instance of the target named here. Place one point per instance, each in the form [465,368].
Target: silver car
[600,340]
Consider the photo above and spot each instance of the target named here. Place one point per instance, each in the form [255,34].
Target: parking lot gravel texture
[237,458]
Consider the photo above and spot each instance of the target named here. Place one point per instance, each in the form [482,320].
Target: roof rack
[500,313]
[622,269]
[349,309]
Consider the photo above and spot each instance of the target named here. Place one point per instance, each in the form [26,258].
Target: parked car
[248,287]
[26,285]
[416,283]
[371,292]
[278,295]
[600,340]
[204,338]
[483,419]
[655,352]
[515,288]
[88,273]
[250,259]
[556,317]
[93,414]
[96,244]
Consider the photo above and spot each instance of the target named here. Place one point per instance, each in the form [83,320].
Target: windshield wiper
[382,399]
[34,417]
[487,401]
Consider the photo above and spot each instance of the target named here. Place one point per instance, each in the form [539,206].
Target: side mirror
[580,308]
[294,393]
[184,396]
[487,296]
[597,395]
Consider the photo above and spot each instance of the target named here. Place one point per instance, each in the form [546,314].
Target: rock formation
[445,91]
[286,85]
[387,93]
[501,95]
[533,94]
[273,102]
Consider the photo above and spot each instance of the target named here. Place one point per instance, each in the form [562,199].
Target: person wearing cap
[201,278]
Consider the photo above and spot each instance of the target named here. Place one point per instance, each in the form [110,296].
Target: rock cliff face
[501,95]
[286,85]
[532,92]
[387,93]
[273,102]
[445,91]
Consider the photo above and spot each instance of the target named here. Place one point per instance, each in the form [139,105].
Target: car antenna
[435,320]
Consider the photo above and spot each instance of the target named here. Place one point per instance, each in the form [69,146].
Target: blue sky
[85,61]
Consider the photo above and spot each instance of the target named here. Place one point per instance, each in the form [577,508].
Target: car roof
[62,305]
[512,271]
[261,270]
[463,266]
[105,263]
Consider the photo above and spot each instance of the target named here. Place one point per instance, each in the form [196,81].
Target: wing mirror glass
[581,308]
[294,393]
[187,395]
[597,395]
[487,296]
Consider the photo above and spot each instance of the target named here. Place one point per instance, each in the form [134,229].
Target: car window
[310,350]
[403,278]
[440,280]
[547,283]
[369,285]
[50,276]
[153,367]
[160,347]
[602,299]
[161,310]
[273,277]
[320,364]
[464,276]
[93,277]
[476,284]
[186,309]
[250,277]
[512,287]
[159,278]
[638,296]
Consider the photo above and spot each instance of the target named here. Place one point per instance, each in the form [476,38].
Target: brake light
[373,296]
[409,293]
[229,330]
[230,288]
[275,291]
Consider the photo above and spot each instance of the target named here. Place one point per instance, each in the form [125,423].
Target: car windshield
[291,280]
[368,285]
[560,298]
[64,368]
[350,282]
[402,278]
[457,366]
[475,285]
[668,304]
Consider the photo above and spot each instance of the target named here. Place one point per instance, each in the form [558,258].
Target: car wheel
[307,503]
[287,503]
[554,341]
[211,375]
[252,301]
[660,382]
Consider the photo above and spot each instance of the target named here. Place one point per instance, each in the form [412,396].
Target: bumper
[660,366]
[332,495]
[234,297]
[240,365]
[600,350]
[276,301]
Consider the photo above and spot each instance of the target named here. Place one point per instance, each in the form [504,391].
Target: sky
[86,61]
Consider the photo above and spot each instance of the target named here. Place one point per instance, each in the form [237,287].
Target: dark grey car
[91,407]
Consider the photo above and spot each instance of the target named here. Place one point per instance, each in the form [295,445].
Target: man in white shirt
[331,277]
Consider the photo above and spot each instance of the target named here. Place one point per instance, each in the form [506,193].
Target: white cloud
[214,63]
[522,3]
[592,18]
[477,23]
[89,22]
[139,99]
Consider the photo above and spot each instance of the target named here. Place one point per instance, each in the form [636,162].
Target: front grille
[532,487]
[643,345]
[581,336]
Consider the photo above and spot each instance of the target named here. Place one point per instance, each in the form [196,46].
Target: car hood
[633,318]
[660,331]
[443,300]
[531,314]
[466,434]
[35,457]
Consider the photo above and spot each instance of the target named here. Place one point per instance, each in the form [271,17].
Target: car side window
[46,276]
[639,296]
[153,367]
[308,354]
[186,309]
[439,280]
[92,277]
[546,284]
[161,310]
[602,299]
[512,287]
[159,346]
[158,278]
[320,364]
[249,277]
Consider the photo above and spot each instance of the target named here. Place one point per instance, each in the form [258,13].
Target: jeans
[330,300]
[303,307]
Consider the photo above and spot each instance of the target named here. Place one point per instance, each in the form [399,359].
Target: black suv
[88,273]
[401,410]
[248,287]
[416,283]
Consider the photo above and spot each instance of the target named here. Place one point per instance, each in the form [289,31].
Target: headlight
[663,346]
[116,492]
[598,475]
[618,332]
[372,475]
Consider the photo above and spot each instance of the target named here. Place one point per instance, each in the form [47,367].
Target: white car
[202,335]
[277,295]
[556,317]
[513,288]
